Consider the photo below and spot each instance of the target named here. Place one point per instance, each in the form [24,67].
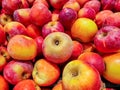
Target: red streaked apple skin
[2,35]
[57,47]
[80,76]
[107,39]
[15,71]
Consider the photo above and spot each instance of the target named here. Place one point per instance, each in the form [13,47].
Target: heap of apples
[59,44]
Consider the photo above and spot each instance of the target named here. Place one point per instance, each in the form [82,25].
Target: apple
[3,62]
[52,26]
[112,65]
[88,47]
[82,2]
[57,47]
[22,47]
[4,19]
[94,59]
[101,16]
[9,6]
[87,12]
[22,16]
[16,71]
[45,2]
[57,4]
[45,73]
[14,28]
[39,41]
[67,16]
[95,4]
[4,84]
[33,31]
[79,75]
[2,35]
[77,49]
[27,84]
[42,13]
[107,39]
[55,15]
[117,6]
[58,86]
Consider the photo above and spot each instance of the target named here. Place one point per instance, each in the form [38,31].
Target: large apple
[57,47]
[52,26]
[107,39]
[2,35]
[79,75]
[22,47]
[15,71]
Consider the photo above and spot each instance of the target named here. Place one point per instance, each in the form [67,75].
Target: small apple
[42,13]
[16,71]
[4,84]
[67,16]
[27,84]
[45,2]
[3,62]
[57,47]
[107,39]
[45,73]
[55,15]
[2,35]
[58,86]
[22,16]
[82,2]
[4,19]
[52,26]
[94,59]
[22,47]
[79,75]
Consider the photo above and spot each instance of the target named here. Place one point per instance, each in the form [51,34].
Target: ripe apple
[45,73]
[16,71]
[2,35]
[52,26]
[82,2]
[112,72]
[4,19]
[27,84]
[107,39]
[3,62]
[67,16]
[14,28]
[117,6]
[22,16]
[79,75]
[58,86]
[4,84]
[94,59]
[22,47]
[57,47]
[45,2]
[42,13]
[55,15]
[10,6]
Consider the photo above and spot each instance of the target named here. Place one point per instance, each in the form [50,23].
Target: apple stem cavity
[57,42]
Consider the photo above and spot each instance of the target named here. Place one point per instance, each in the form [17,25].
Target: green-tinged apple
[79,75]
[22,47]
[45,73]
[2,35]
[14,28]
[4,84]
[27,84]
[52,26]
[22,16]
[4,19]
[42,13]
[112,65]
[107,39]
[57,47]
[94,59]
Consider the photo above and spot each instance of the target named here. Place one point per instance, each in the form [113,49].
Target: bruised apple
[57,47]
[22,47]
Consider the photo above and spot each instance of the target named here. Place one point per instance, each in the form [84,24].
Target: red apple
[79,75]
[67,16]
[57,47]
[45,2]
[14,28]
[117,6]
[4,19]
[16,71]
[42,13]
[94,59]
[107,39]
[4,84]
[45,73]
[11,5]
[2,35]
[82,2]
[22,16]
[52,26]
[27,84]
